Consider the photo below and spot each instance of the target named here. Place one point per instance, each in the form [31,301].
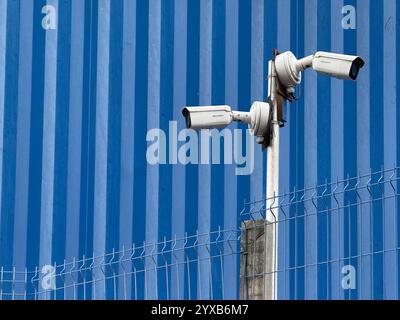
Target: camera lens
[355,69]
[188,121]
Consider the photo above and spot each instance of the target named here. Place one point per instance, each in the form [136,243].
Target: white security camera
[340,66]
[214,117]
[211,117]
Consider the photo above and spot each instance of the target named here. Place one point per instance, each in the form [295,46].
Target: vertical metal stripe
[59,203]
[86,225]
[140,125]
[377,142]
[244,86]
[231,287]
[166,115]
[8,120]
[350,239]
[49,123]
[114,133]
[397,139]
[75,129]
[218,98]
[284,27]
[153,121]
[337,140]
[23,132]
[376,82]
[297,171]
[36,139]
[178,171]
[390,148]
[204,182]
[287,279]
[192,176]
[3,41]
[324,149]
[74,151]
[363,141]
[127,137]
[100,184]
[257,88]
[293,229]
[310,148]
[363,86]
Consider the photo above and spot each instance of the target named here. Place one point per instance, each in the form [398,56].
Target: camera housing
[339,66]
[258,119]
[208,117]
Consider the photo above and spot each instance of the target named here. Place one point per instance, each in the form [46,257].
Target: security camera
[340,66]
[214,117]
[211,117]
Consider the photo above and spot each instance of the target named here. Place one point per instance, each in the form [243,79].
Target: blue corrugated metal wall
[76,104]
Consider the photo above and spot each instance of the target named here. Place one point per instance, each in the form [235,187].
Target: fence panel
[338,240]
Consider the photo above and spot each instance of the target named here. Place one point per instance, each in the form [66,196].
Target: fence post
[252,280]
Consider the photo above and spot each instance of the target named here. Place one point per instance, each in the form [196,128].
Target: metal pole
[271,230]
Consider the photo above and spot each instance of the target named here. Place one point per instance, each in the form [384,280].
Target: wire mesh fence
[190,267]
[337,240]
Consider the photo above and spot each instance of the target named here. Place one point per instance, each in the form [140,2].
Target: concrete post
[257,265]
